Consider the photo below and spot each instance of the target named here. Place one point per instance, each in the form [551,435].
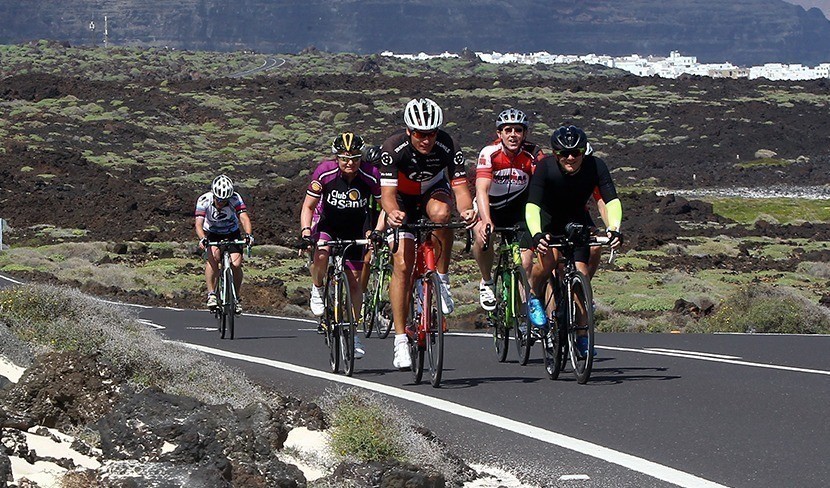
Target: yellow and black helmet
[347,143]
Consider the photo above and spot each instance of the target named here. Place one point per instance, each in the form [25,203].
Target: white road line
[11,280]
[655,470]
[693,353]
[150,323]
[718,360]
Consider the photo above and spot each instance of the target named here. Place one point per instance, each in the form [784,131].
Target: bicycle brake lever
[612,257]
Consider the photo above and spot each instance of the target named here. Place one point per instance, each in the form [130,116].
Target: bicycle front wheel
[370,301]
[521,320]
[416,344]
[229,302]
[347,324]
[434,316]
[554,341]
[330,325]
[383,308]
[581,326]
[499,316]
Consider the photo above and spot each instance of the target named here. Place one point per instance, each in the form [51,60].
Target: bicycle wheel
[554,341]
[370,300]
[521,324]
[499,316]
[346,324]
[332,330]
[219,311]
[229,302]
[383,309]
[581,324]
[434,328]
[416,347]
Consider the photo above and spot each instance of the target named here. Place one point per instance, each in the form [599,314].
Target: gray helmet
[511,116]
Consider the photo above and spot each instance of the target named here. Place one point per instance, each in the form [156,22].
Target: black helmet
[347,143]
[570,137]
[372,154]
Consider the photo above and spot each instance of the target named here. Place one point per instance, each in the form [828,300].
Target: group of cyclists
[417,173]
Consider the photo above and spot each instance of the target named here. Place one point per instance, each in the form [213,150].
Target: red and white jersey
[510,174]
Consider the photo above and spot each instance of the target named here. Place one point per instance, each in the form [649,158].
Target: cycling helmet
[570,137]
[511,116]
[372,154]
[222,187]
[347,143]
[422,114]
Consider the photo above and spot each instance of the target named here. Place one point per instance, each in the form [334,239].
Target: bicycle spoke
[581,326]
[435,328]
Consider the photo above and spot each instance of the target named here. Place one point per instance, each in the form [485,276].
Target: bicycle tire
[347,325]
[332,335]
[555,340]
[383,309]
[229,303]
[219,311]
[524,341]
[369,307]
[435,328]
[498,317]
[579,311]
[416,349]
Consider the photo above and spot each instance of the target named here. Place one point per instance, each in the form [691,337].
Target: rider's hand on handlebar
[541,241]
[395,218]
[249,240]
[376,238]
[203,243]
[616,239]
[470,215]
[481,230]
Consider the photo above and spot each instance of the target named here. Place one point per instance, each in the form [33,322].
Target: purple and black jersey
[344,206]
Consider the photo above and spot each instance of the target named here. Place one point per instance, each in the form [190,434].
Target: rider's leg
[236,266]
[364,272]
[438,210]
[593,262]
[355,288]
[484,259]
[319,263]
[400,285]
[212,269]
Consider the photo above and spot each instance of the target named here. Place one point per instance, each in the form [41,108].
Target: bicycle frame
[226,296]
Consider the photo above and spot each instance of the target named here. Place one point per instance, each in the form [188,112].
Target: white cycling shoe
[359,350]
[316,301]
[401,360]
[487,295]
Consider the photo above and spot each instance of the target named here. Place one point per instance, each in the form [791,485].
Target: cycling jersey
[510,174]
[218,220]
[414,173]
[563,196]
[344,205]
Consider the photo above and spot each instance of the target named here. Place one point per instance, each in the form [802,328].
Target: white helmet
[222,187]
[422,114]
[511,116]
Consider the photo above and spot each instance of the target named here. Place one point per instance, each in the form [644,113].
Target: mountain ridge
[743,32]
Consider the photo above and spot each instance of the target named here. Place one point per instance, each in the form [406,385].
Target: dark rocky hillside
[741,31]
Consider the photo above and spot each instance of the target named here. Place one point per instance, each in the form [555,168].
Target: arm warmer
[614,209]
[533,216]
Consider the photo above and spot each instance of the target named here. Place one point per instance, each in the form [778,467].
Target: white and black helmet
[511,116]
[222,187]
[423,114]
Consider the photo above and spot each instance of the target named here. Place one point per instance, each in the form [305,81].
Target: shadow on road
[458,383]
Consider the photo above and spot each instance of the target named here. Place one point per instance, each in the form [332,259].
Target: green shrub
[361,429]
[761,308]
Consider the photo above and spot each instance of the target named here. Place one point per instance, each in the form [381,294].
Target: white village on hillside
[672,66]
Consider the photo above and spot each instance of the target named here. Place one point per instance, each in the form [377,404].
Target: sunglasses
[517,130]
[420,134]
[348,157]
[570,152]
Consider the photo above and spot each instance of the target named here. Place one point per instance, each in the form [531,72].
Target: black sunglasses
[564,153]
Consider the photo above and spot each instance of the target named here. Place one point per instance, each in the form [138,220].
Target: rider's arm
[614,214]
[307,213]
[533,216]
[535,197]
[484,180]
[608,192]
[245,223]
[200,232]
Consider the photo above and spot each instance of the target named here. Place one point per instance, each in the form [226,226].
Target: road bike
[338,319]
[427,325]
[226,298]
[511,288]
[377,311]
[574,314]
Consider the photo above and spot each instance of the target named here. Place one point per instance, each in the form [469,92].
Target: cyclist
[561,187]
[336,206]
[371,154]
[502,178]
[219,215]
[419,165]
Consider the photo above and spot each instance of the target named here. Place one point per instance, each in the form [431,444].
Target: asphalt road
[659,410]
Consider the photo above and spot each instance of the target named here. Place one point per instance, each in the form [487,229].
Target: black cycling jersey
[414,173]
[562,197]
